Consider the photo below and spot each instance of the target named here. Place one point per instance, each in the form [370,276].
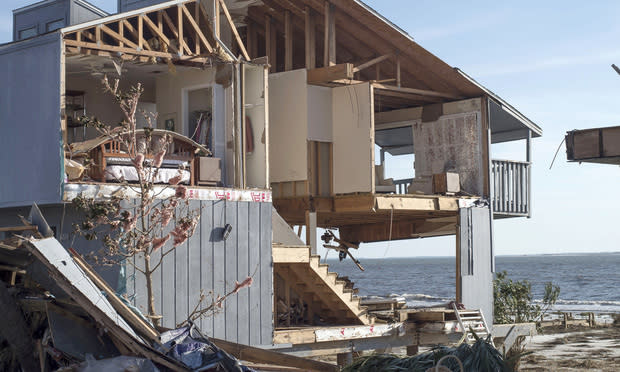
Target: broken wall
[205,262]
[31,156]
[446,140]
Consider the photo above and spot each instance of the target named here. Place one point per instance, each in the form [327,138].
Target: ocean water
[588,282]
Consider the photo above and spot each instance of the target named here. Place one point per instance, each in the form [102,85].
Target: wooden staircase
[326,296]
[471,320]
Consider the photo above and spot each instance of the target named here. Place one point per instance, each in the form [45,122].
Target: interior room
[196,103]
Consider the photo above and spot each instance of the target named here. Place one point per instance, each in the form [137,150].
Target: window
[28,32]
[54,25]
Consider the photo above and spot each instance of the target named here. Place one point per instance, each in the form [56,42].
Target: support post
[311,232]
[529,173]
[310,39]
[412,350]
[329,50]
[288,41]
[344,359]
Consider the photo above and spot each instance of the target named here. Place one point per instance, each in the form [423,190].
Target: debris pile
[59,314]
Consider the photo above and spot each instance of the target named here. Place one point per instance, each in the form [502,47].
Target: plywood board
[353,139]
[257,171]
[288,126]
[319,114]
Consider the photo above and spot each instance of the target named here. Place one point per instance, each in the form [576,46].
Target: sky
[549,59]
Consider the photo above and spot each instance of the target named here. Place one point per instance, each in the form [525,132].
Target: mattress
[129,173]
[167,163]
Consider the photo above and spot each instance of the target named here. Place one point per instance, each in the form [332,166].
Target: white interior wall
[288,126]
[353,138]
[102,105]
[320,114]
[169,97]
[256,161]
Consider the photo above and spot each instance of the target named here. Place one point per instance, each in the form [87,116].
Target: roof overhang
[507,123]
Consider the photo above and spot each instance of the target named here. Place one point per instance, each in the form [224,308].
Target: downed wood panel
[254,354]
[597,145]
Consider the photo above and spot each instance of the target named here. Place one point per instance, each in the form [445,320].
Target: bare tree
[135,236]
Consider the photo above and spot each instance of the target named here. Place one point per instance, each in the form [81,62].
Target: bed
[112,161]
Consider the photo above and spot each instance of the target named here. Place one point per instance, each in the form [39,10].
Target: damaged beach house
[281,114]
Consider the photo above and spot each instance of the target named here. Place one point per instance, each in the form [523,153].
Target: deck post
[344,359]
[528,145]
[412,350]
[311,232]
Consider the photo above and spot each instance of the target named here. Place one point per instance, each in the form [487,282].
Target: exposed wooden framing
[140,33]
[116,49]
[270,43]
[251,38]
[160,23]
[216,19]
[197,30]
[197,19]
[290,254]
[157,31]
[420,92]
[177,32]
[121,33]
[372,62]
[121,40]
[310,36]
[329,49]
[180,35]
[398,77]
[288,41]
[134,33]
[234,30]
[330,73]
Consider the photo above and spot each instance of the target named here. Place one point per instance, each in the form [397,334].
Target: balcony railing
[402,186]
[511,187]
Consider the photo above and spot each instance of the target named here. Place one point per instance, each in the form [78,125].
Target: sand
[584,349]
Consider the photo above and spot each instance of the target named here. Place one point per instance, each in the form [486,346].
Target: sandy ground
[584,349]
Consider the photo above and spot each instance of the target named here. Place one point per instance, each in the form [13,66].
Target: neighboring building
[299,96]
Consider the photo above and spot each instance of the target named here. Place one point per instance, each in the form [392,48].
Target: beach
[574,349]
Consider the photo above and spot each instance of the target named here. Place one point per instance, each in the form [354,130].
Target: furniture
[209,171]
[112,161]
[75,107]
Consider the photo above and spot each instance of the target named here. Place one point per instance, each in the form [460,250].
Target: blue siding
[31,142]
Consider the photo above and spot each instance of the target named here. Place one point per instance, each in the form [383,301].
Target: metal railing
[402,186]
[511,186]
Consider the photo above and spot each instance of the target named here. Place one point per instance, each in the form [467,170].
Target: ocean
[588,282]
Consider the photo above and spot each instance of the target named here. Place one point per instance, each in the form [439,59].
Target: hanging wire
[390,236]
[556,152]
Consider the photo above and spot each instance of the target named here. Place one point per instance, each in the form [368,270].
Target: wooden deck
[367,217]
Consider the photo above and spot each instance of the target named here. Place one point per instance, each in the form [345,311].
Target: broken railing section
[87,322]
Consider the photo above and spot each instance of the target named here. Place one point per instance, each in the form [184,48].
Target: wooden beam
[197,20]
[197,30]
[118,37]
[234,30]
[117,49]
[270,43]
[176,33]
[372,62]
[331,73]
[180,39]
[134,33]
[398,77]
[290,254]
[310,33]
[121,33]
[216,16]
[420,92]
[288,41]
[140,33]
[157,31]
[329,49]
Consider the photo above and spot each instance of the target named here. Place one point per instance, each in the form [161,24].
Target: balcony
[511,188]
